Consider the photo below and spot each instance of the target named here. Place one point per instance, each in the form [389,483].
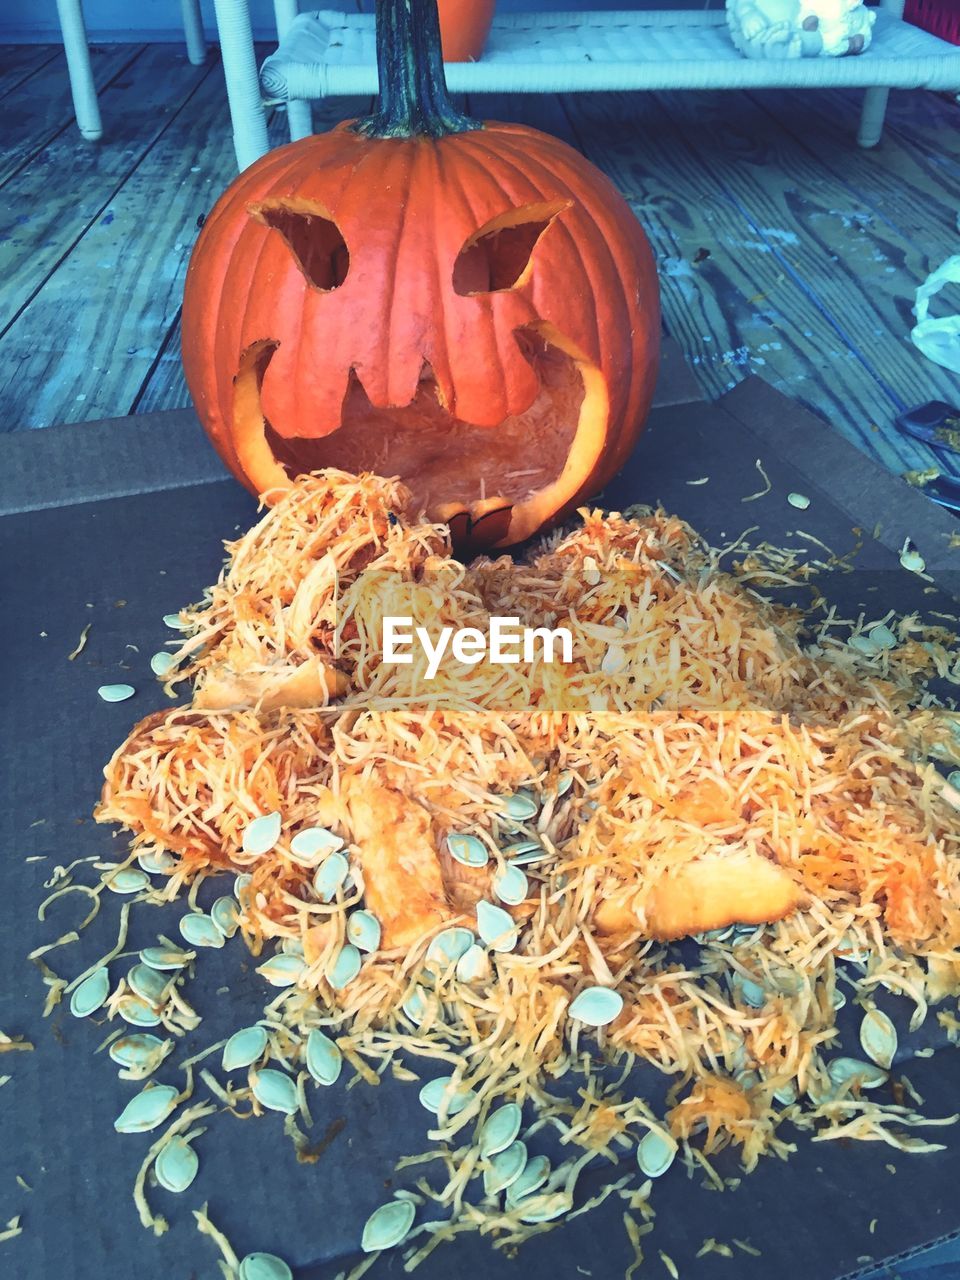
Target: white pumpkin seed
[166,958]
[564,783]
[591,571]
[597,1006]
[116,692]
[953,779]
[525,853]
[504,1168]
[148,984]
[329,876]
[511,885]
[786,1094]
[499,1129]
[655,1153]
[911,559]
[173,621]
[292,947]
[614,660]
[91,994]
[449,945]
[275,1091]
[798,500]
[263,1266]
[363,930]
[534,1174]
[442,1090]
[262,833]
[324,1059]
[176,1165]
[496,927]
[883,637]
[241,883]
[415,1005]
[521,806]
[468,850]
[244,1048]
[156,862]
[866,1074]
[345,968]
[838,1000]
[752,993]
[126,880]
[137,1012]
[225,914]
[282,970]
[162,663]
[545,1206]
[313,842]
[136,1050]
[473,965]
[200,931]
[862,644]
[878,1038]
[147,1110]
[387,1226]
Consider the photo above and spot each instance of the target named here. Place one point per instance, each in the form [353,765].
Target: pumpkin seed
[415,1005]
[838,999]
[329,876]
[137,1012]
[292,947]
[525,853]
[437,1092]
[468,850]
[496,927]
[878,1038]
[324,1059]
[449,945]
[91,994]
[862,644]
[953,779]
[262,833]
[532,1177]
[127,880]
[614,660]
[911,559]
[591,571]
[148,984]
[135,1050]
[314,841]
[786,1094]
[244,1048]
[850,951]
[176,1165]
[546,1206]
[282,970]
[504,1168]
[147,1110]
[172,620]
[345,968]
[156,862]
[752,993]
[883,637]
[165,958]
[866,1074]
[162,663]
[387,1226]
[116,692]
[225,914]
[798,500]
[718,935]
[499,1129]
[200,931]
[263,1266]
[363,930]
[521,806]
[240,883]
[655,1153]
[564,783]
[275,1091]
[511,885]
[597,1006]
[473,965]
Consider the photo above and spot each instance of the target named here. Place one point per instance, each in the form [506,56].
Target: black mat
[120,562]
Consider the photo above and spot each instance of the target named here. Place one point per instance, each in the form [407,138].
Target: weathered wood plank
[732,296]
[19,61]
[41,221]
[164,386]
[40,107]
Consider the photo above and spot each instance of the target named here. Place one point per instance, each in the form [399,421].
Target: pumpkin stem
[413,98]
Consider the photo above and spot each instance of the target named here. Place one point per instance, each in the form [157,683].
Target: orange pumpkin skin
[256,317]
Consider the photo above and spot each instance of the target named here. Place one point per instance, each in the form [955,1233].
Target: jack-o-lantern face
[476,313]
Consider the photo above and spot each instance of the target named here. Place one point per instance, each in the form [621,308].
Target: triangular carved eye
[498,256]
[315,241]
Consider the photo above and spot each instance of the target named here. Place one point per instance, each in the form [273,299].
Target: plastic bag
[938,339]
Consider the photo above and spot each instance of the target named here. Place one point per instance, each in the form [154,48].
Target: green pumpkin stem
[413,99]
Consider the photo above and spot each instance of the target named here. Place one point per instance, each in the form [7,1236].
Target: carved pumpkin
[471,307]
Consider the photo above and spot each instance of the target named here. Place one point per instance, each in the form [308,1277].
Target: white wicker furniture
[328,53]
[75,45]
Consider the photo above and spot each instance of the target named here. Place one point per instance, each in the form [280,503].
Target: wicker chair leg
[243,83]
[299,111]
[872,116]
[193,30]
[82,85]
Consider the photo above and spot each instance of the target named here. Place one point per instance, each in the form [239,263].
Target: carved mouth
[494,485]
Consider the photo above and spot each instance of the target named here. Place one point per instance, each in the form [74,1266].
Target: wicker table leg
[875,100]
[193,31]
[243,83]
[82,86]
[299,113]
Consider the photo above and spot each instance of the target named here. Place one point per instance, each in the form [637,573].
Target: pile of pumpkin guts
[689,846]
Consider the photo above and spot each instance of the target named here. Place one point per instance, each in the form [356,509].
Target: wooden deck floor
[784,250]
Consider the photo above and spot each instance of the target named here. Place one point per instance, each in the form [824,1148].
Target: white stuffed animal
[800,28]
